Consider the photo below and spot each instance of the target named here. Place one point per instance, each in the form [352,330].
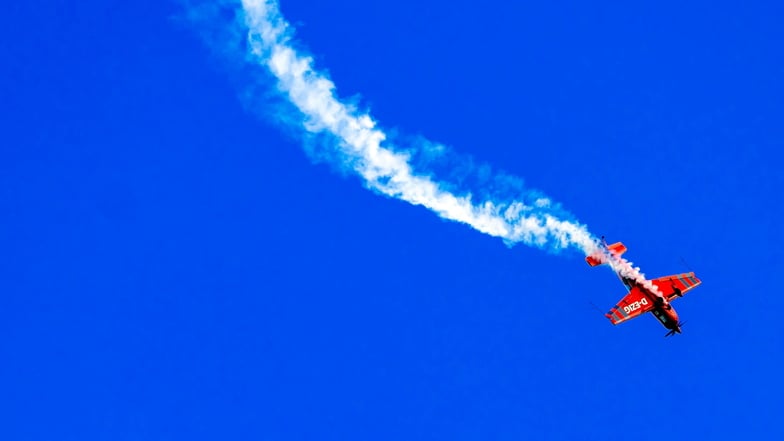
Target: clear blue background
[174,268]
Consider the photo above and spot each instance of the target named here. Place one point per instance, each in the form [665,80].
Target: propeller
[677,329]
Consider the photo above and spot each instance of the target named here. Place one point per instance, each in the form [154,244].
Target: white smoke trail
[528,218]
[627,269]
[382,168]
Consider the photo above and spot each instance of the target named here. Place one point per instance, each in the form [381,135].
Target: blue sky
[175,267]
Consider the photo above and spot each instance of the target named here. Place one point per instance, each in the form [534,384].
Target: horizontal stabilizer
[601,256]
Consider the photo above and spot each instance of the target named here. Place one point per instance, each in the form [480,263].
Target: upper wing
[632,305]
[673,286]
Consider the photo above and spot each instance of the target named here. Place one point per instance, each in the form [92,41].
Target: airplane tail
[602,255]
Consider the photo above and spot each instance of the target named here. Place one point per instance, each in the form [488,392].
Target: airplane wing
[676,285]
[632,305]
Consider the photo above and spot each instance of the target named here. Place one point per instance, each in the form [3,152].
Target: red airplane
[644,295]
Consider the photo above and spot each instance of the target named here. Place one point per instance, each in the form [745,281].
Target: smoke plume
[422,172]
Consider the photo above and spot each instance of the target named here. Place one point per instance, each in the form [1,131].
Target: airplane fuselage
[663,311]
[667,317]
